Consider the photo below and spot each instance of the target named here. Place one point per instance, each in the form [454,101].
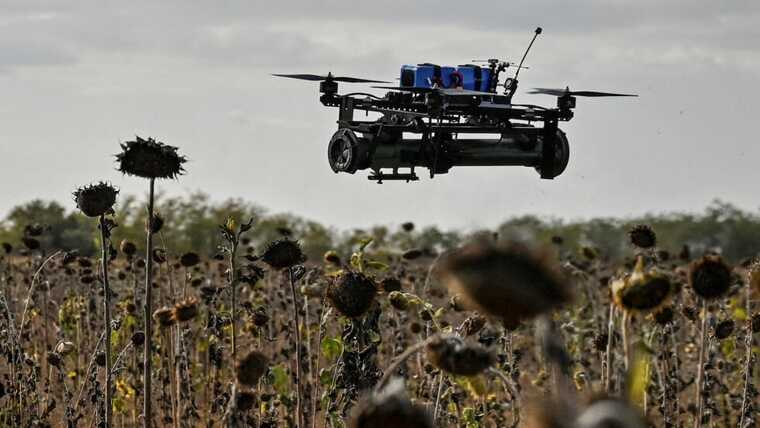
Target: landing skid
[379,176]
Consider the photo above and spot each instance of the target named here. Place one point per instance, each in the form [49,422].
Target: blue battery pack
[475,78]
[424,75]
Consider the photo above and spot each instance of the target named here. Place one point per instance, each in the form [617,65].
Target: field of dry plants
[492,334]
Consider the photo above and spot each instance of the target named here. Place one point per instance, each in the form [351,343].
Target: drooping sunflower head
[251,368]
[185,310]
[642,236]
[511,282]
[643,290]
[709,277]
[148,158]
[390,408]
[128,248]
[283,253]
[95,200]
[351,293]
[332,258]
[189,259]
[164,316]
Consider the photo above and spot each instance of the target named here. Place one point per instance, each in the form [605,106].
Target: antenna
[520,67]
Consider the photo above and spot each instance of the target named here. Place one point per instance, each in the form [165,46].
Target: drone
[446,112]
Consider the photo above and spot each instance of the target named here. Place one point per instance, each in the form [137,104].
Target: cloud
[31,53]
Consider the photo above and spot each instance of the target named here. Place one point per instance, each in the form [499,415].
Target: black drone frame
[438,118]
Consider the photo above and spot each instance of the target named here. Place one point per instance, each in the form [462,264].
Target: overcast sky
[78,77]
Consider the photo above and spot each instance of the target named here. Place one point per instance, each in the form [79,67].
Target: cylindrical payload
[348,153]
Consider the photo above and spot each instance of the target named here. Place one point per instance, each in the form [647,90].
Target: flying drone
[448,111]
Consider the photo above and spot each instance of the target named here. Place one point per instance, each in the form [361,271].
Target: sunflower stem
[748,361]
[297,332]
[147,421]
[701,367]
[233,303]
[107,309]
[608,352]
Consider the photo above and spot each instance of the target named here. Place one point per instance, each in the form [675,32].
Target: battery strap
[478,77]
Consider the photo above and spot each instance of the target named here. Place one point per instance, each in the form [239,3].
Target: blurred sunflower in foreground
[511,282]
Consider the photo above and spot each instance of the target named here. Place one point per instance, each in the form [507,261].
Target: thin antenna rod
[519,67]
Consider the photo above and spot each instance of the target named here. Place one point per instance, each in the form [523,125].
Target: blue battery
[474,77]
[423,75]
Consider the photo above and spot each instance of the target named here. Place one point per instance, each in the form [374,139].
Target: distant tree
[190,223]
[67,231]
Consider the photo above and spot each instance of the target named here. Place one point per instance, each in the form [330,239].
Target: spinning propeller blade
[567,91]
[330,77]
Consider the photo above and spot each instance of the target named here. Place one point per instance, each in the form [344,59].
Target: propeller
[567,91]
[329,78]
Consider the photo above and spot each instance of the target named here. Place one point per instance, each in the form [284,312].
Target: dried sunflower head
[189,259]
[332,258]
[164,316]
[351,293]
[251,368]
[511,281]
[159,255]
[244,400]
[54,359]
[643,290]
[724,329]
[128,247]
[453,355]
[390,284]
[138,338]
[642,236]
[283,253]
[473,324]
[665,315]
[398,300]
[185,310]
[149,159]
[260,316]
[95,200]
[709,277]
[100,359]
[390,408]
[412,254]
[155,224]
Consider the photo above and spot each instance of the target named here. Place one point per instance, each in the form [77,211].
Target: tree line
[191,224]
